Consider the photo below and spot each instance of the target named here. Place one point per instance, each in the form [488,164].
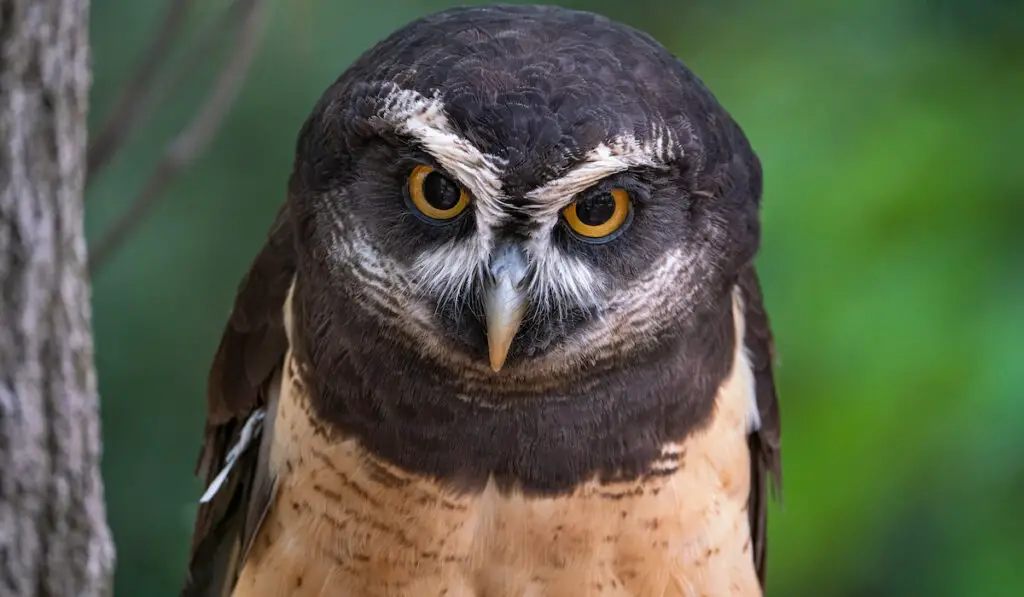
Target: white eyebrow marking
[449,271]
[562,280]
[424,119]
[618,155]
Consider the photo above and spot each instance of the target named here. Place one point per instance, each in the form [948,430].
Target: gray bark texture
[54,539]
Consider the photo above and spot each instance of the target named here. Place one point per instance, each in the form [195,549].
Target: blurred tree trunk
[54,539]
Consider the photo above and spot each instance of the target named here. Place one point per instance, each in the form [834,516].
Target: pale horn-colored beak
[505,301]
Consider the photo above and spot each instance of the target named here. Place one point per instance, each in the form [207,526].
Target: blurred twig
[223,24]
[193,138]
[130,106]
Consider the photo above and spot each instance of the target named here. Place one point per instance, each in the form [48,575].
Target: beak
[505,301]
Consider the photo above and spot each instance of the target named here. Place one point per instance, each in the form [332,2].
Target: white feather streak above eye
[449,272]
[424,119]
[606,159]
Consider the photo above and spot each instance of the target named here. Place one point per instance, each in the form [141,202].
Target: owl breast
[344,524]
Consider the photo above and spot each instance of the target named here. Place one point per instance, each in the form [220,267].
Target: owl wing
[242,388]
[766,463]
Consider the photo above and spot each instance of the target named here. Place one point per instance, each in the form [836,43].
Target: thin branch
[129,106]
[223,24]
[184,148]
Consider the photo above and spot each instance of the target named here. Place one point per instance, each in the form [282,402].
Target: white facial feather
[618,155]
[561,279]
[424,119]
[448,272]
[641,307]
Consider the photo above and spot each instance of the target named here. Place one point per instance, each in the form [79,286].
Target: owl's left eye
[436,196]
[599,217]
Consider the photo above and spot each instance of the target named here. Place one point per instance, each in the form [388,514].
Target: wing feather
[764,442]
[244,377]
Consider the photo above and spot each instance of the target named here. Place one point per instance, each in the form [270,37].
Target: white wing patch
[250,431]
[746,371]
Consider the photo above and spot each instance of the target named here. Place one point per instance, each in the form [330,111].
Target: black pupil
[440,193]
[596,209]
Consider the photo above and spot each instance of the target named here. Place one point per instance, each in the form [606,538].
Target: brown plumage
[621,443]
[342,518]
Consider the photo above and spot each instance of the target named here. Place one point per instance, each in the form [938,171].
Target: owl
[505,337]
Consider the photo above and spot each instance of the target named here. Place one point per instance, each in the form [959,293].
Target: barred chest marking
[346,525]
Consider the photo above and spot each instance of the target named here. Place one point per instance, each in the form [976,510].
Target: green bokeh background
[893,267]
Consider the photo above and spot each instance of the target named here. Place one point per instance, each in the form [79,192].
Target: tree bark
[54,539]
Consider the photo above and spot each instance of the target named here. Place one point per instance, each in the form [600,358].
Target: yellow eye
[435,195]
[598,217]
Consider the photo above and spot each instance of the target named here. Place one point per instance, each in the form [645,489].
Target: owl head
[530,190]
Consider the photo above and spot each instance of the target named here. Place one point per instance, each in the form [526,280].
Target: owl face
[536,191]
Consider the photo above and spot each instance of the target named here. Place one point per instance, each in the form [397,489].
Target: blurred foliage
[893,267]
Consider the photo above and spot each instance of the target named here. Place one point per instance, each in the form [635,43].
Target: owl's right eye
[434,196]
